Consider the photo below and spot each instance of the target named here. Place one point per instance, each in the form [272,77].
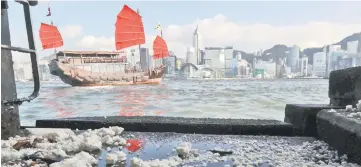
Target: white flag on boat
[158,27]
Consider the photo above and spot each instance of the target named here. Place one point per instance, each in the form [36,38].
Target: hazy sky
[248,26]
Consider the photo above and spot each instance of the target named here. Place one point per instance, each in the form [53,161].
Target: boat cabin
[84,57]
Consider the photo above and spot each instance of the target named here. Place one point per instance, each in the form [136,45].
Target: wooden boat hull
[80,77]
[118,83]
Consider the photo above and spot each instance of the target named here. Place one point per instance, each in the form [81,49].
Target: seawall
[307,120]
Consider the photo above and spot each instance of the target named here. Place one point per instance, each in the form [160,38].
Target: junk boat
[81,68]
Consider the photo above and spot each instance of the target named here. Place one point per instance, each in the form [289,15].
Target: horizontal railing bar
[18,49]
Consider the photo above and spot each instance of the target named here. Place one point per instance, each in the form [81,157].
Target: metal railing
[31,50]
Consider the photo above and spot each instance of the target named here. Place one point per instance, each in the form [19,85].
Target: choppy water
[258,99]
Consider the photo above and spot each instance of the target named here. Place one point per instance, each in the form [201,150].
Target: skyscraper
[144,58]
[171,66]
[304,66]
[197,45]
[191,58]
[293,58]
[319,64]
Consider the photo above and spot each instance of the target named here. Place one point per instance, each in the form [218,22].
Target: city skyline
[238,24]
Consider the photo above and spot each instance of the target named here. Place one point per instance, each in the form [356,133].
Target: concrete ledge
[345,86]
[341,132]
[175,124]
[303,117]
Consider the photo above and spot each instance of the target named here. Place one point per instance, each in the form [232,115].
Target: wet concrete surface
[162,145]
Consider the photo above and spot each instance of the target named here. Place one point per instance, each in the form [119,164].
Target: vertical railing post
[10,121]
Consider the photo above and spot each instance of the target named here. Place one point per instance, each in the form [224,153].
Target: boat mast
[140,58]
[161,35]
[52,25]
[51,21]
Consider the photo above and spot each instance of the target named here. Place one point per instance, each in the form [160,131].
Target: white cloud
[219,31]
[71,31]
[96,43]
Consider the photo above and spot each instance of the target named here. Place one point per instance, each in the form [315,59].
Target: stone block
[345,86]
[175,124]
[303,117]
[341,132]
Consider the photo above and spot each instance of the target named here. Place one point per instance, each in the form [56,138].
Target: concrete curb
[341,132]
[303,117]
[175,124]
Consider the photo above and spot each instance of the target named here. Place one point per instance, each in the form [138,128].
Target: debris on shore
[64,148]
[353,112]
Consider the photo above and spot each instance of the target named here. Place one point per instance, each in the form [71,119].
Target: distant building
[203,54]
[151,62]
[334,48]
[304,66]
[133,56]
[197,45]
[44,71]
[222,59]
[259,53]
[268,67]
[352,47]
[178,64]
[230,62]
[319,64]
[293,58]
[359,45]
[214,57]
[334,60]
[191,56]
[288,70]
[18,71]
[330,49]
[280,65]
[238,55]
[242,67]
[171,68]
[349,60]
[144,58]
[309,69]
[27,71]
[254,61]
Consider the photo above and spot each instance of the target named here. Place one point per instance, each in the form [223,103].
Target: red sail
[129,30]
[50,36]
[160,48]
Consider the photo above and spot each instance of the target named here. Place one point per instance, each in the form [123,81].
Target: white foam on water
[95,87]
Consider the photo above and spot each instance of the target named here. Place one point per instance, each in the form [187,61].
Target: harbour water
[239,98]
